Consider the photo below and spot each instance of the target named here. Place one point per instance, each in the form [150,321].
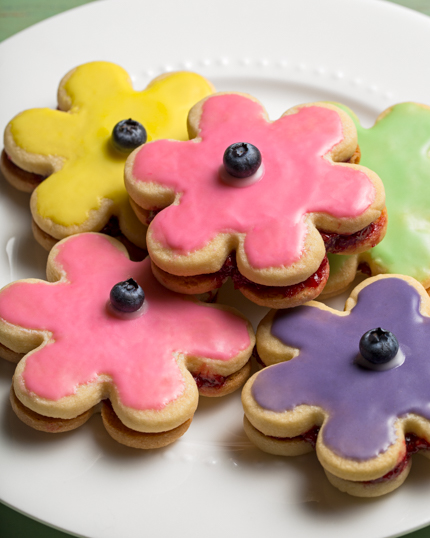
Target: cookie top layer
[301,185]
[83,344]
[361,405]
[73,145]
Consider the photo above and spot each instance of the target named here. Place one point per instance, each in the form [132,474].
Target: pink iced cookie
[263,230]
[80,349]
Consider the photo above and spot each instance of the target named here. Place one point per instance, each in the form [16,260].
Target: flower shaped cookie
[71,147]
[80,350]
[371,417]
[396,148]
[271,223]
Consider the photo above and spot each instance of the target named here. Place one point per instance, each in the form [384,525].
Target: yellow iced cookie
[67,155]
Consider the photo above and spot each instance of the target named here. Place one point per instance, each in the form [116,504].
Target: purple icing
[362,404]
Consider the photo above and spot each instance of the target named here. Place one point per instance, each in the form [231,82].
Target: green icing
[397,149]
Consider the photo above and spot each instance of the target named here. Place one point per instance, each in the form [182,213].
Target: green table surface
[16,15]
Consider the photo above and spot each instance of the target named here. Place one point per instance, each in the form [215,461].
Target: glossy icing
[397,149]
[297,180]
[101,95]
[87,340]
[362,404]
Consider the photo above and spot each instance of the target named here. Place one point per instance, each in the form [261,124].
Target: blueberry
[127,296]
[128,135]
[242,159]
[379,346]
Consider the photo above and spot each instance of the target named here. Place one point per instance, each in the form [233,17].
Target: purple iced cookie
[357,387]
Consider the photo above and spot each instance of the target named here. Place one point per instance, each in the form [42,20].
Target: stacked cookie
[269,224]
[213,189]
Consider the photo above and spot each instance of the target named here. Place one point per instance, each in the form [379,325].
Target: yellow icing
[101,95]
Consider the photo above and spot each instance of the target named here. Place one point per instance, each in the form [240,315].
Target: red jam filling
[413,445]
[364,268]
[310,436]
[337,243]
[213,382]
[229,269]
[394,473]
[151,214]
[314,281]
[257,357]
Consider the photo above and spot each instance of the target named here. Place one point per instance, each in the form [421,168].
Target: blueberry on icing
[242,159]
[127,296]
[378,346]
[128,135]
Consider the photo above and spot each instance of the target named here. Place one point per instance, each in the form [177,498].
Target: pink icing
[88,341]
[297,180]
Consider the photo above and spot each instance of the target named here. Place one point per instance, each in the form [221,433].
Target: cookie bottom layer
[20,179]
[46,424]
[372,488]
[144,441]
[302,444]
[294,446]
[9,355]
[116,429]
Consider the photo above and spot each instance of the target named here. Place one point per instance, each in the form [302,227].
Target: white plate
[366,53]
